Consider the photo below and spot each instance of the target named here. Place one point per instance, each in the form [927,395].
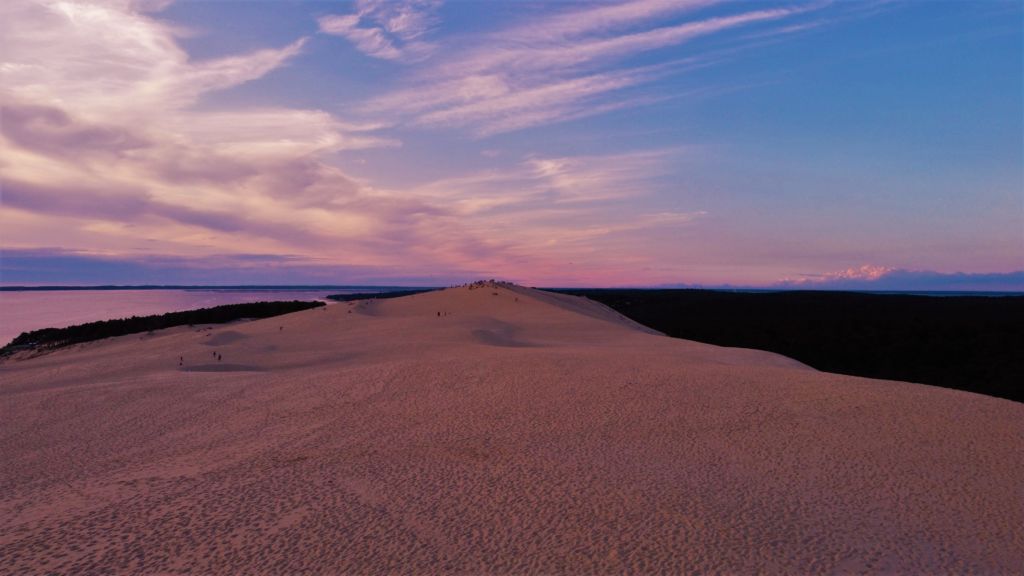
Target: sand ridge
[490,429]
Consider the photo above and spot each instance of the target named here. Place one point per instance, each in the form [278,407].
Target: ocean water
[22,311]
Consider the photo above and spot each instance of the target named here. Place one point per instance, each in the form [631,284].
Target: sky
[869,144]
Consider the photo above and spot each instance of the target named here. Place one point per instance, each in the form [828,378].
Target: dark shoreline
[46,339]
[379,295]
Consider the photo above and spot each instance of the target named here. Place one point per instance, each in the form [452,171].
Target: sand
[516,432]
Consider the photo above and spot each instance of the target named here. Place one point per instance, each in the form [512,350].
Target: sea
[23,310]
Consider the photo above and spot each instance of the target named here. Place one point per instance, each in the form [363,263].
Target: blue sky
[641,142]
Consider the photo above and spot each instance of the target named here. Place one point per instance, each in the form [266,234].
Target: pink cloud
[386,30]
[602,18]
[866,272]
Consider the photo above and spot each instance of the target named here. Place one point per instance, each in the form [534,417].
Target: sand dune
[490,430]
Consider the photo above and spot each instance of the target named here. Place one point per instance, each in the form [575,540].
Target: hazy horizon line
[319,287]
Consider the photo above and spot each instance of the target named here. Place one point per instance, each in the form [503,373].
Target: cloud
[275,132]
[552,182]
[102,138]
[868,277]
[517,109]
[134,64]
[864,273]
[51,131]
[550,54]
[548,211]
[557,67]
[386,30]
[126,205]
[604,18]
[109,145]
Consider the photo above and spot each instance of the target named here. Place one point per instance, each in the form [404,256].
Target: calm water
[31,310]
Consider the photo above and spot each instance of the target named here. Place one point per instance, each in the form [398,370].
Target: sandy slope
[517,432]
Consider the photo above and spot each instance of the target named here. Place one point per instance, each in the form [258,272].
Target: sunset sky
[645,142]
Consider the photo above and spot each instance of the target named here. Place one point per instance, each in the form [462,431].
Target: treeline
[379,295]
[972,343]
[49,338]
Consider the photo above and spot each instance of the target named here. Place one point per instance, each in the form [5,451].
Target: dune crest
[490,428]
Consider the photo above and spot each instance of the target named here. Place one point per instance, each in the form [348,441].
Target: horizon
[869,146]
[350,287]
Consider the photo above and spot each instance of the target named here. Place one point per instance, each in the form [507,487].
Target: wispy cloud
[552,54]
[390,30]
[601,18]
[547,211]
[558,67]
[552,182]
